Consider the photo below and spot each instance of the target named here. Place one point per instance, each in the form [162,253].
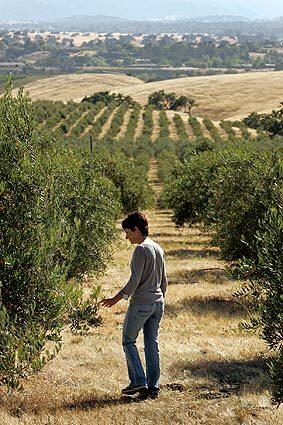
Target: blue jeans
[148,317]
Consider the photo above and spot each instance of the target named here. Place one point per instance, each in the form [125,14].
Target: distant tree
[184,103]
[161,100]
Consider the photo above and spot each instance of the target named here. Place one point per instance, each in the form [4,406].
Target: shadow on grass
[191,277]
[189,253]
[246,375]
[227,307]
[89,403]
[19,406]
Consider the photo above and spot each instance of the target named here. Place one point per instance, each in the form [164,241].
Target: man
[146,289]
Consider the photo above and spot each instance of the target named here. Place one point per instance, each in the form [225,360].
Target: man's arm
[109,302]
[137,267]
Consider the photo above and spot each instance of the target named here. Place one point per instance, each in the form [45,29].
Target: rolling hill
[219,97]
[76,86]
[222,96]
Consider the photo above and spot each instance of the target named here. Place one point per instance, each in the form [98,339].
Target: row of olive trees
[58,210]
[237,190]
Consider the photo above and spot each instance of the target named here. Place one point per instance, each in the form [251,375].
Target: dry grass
[212,372]
[172,127]
[219,96]
[222,96]
[140,125]
[75,87]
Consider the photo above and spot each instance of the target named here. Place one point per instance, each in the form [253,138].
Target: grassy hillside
[76,86]
[19,80]
[219,97]
[222,96]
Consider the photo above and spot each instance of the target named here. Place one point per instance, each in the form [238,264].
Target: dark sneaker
[153,392]
[134,389]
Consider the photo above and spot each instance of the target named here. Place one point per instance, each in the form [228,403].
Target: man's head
[136,227]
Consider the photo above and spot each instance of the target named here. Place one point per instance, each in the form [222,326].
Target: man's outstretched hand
[108,302]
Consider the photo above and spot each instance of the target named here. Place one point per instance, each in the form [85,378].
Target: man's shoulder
[148,242]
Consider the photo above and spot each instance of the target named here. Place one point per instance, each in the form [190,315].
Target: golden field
[213,372]
[219,97]
[222,96]
[76,86]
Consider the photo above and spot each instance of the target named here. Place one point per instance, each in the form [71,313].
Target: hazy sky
[47,9]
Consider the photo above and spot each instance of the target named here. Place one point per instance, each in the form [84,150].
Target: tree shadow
[189,253]
[227,307]
[231,375]
[192,277]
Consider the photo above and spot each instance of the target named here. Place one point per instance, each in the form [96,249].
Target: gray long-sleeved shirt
[148,281]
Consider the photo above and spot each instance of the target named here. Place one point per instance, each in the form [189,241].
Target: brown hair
[136,219]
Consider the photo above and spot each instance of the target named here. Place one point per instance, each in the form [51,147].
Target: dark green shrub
[188,190]
[64,127]
[129,178]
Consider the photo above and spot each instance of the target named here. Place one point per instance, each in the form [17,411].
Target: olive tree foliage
[228,189]
[237,190]
[56,221]
[265,287]
[272,122]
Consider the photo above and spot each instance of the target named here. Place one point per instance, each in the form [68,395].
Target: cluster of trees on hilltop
[161,100]
[106,97]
